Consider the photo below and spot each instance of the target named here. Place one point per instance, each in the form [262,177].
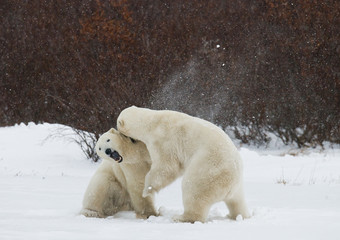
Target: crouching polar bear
[180,144]
[118,183]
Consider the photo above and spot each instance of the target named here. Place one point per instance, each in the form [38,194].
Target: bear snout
[114,155]
[108,151]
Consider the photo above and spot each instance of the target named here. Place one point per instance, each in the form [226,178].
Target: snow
[42,182]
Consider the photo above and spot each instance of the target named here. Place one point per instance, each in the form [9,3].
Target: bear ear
[121,123]
[112,130]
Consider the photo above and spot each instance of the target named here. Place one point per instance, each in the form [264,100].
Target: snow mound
[42,182]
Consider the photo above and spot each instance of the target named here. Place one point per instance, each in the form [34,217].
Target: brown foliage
[260,66]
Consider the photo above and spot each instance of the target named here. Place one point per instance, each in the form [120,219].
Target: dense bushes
[254,66]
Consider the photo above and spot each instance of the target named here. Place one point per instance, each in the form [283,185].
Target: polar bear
[180,144]
[118,183]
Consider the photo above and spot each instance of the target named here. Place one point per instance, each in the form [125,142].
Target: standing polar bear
[118,183]
[180,144]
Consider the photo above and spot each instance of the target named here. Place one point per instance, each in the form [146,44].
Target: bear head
[135,122]
[114,146]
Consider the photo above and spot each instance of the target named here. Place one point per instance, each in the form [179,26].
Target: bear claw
[91,213]
[148,191]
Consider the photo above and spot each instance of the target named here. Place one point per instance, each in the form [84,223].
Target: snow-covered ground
[42,185]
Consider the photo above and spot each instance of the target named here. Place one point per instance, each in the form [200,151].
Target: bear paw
[146,215]
[148,191]
[91,213]
[188,218]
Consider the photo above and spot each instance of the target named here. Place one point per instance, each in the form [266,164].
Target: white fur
[180,144]
[119,186]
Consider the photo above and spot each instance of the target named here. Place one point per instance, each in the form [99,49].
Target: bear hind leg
[237,205]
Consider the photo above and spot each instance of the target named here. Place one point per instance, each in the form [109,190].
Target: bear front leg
[148,191]
[160,176]
[143,206]
[151,184]
[104,195]
[97,192]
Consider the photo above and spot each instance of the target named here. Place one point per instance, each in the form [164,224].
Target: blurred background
[255,68]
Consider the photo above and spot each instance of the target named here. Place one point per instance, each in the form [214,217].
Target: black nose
[108,151]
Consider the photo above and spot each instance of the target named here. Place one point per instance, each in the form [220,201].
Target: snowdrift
[42,182]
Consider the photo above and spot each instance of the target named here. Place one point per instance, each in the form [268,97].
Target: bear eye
[100,149]
[108,140]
